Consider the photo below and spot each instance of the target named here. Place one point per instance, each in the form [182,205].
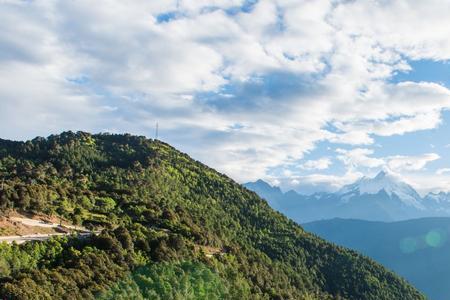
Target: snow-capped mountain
[384,197]
[438,203]
[438,197]
[387,182]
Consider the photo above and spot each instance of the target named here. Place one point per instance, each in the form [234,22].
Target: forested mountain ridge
[172,229]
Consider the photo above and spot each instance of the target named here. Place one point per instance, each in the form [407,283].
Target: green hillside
[172,229]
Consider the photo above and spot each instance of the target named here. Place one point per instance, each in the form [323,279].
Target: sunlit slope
[162,211]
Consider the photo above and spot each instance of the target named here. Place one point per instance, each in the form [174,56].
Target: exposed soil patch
[11,227]
[14,223]
[209,251]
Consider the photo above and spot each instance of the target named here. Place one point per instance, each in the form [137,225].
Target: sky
[308,95]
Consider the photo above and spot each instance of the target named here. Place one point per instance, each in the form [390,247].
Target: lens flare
[408,245]
[435,238]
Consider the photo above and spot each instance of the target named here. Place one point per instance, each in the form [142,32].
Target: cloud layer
[258,84]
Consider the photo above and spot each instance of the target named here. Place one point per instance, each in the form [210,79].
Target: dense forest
[171,228]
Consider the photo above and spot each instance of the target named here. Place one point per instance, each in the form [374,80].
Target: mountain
[439,203]
[381,198]
[169,228]
[386,182]
[440,197]
[273,194]
[417,249]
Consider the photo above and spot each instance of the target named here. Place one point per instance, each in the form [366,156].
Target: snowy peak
[384,197]
[390,183]
[382,175]
[438,197]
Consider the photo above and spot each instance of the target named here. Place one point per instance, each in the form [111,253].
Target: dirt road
[20,239]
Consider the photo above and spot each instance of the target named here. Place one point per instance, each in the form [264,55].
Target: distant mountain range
[381,198]
[419,249]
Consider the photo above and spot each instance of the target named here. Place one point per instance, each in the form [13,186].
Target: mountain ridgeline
[171,228]
[382,198]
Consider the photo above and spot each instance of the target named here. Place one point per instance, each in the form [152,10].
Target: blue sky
[308,95]
[426,70]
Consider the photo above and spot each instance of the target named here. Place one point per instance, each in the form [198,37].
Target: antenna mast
[156,131]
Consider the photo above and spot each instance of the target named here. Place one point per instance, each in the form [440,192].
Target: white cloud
[286,70]
[319,164]
[443,171]
[359,157]
[401,163]
[362,157]
[425,183]
[417,29]
[398,109]
[326,181]
[295,182]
